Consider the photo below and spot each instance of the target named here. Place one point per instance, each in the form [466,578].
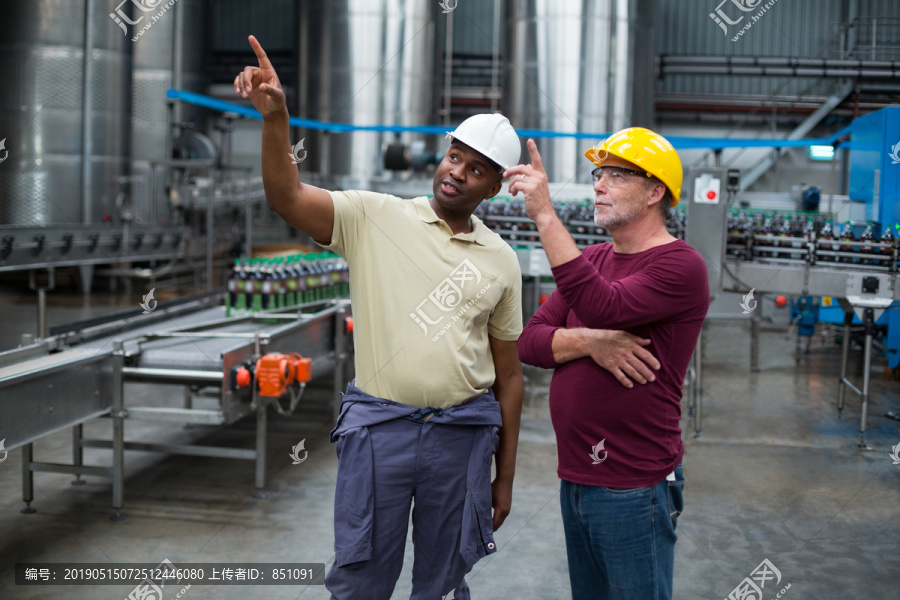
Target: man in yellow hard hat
[436,298]
[619,446]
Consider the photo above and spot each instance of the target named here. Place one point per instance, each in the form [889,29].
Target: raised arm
[306,207]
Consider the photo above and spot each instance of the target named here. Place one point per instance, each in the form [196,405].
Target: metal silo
[568,69]
[54,173]
[365,62]
[170,55]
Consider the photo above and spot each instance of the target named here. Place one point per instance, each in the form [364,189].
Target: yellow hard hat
[648,150]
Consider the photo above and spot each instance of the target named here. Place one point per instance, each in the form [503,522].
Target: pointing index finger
[260,53]
[536,161]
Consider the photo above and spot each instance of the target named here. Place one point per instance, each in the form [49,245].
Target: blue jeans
[621,542]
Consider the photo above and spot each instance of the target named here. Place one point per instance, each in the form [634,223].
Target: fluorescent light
[821,152]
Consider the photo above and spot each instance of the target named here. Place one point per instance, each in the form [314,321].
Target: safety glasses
[615,176]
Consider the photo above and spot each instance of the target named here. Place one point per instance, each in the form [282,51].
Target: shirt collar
[480,234]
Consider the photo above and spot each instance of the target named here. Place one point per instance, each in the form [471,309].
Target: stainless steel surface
[845,352]
[42,290]
[706,221]
[176,415]
[260,454]
[364,62]
[87,113]
[864,395]
[35,247]
[567,69]
[755,320]
[24,352]
[171,55]
[27,478]
[43,395]
[169,375]
[776,66]
[448,69]
[182,449]
[117,387]
[685,28]
[72,469]
[42,110]
[89,379]
[794,279]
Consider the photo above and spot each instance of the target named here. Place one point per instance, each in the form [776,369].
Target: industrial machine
[254,362]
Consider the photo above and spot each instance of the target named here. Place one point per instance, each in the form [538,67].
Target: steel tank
[364,62]
[169,55]
[53,172]
[568,67]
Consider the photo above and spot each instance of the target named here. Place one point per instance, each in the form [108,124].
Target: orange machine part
[243,377]
[275,372]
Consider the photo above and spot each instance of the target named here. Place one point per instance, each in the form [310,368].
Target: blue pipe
[682,143]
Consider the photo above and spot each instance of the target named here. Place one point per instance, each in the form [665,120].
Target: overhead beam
[767,162]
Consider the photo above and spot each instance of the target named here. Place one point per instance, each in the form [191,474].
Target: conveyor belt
[190,344]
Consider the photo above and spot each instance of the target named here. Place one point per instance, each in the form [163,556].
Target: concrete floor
[776,475]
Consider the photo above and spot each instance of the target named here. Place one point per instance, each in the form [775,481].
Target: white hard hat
[491,135]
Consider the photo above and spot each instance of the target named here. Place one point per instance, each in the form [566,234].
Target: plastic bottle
[784,233]
[266,293]
[303,281]
[847,236]
[231,296]
[252,286]
[825,236]
[733,233]
[345,278]
[887,238]
[282,280]
[313,292]
[765,229]
[867,236]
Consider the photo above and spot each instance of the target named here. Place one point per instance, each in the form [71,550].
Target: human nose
[457,171]
[600,184]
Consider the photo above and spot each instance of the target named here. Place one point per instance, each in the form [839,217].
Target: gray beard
[618,216]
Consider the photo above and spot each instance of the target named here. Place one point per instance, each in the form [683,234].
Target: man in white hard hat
[619,447]
[437,311]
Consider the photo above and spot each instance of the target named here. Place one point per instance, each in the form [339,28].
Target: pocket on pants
[477,532]
[676,495]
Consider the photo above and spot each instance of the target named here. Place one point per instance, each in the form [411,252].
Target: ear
[495,189]
[656,194]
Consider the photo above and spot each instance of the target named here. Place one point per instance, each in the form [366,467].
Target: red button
[711,195]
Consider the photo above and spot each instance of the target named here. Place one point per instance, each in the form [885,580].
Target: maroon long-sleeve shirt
[609,435]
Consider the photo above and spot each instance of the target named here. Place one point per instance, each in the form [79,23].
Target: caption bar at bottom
[184,573]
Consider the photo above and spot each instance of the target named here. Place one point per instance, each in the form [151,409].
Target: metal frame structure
[92,361]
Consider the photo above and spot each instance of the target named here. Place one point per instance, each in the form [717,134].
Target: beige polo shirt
[424,300]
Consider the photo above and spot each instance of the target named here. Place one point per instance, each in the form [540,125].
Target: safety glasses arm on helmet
[646,149]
